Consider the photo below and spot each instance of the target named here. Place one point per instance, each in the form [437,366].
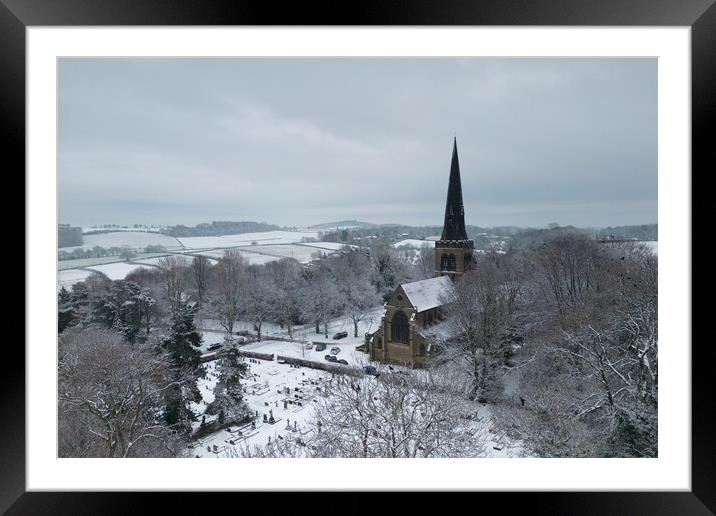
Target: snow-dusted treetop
[428,293]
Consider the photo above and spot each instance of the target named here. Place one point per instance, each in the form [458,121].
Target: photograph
[357,257]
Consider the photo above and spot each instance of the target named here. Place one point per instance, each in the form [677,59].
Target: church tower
[454,251]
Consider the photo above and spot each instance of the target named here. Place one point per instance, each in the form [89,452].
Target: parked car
[331,358]
[335,350]
[214,347]
[342,361]
[340,335]
[369,369]
[320,346]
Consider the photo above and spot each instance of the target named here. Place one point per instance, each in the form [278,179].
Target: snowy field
[132,239]
[301,253]
[141,230]
[261,254]
[70,277]
[411,242]
[86,262]
[332,246]
[244,239]
[252,258]
[653,245]
[117,271]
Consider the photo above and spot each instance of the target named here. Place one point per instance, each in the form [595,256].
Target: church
[414,311]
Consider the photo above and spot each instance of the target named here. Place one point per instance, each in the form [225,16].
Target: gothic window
[399,328]
[443,262]
[447,262]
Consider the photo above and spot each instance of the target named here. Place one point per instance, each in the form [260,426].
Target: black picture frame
[700,15]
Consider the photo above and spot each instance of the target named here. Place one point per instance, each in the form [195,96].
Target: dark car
[340,335]
[214,347]
[320,346]
[331,358]
[343,361]
[369,369]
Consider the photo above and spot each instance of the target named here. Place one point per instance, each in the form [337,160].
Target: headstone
[285,404]
[265,418]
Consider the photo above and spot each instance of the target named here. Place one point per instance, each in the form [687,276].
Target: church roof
[428,293]
[454,225]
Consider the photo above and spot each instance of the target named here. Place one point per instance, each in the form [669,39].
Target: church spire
[454,226]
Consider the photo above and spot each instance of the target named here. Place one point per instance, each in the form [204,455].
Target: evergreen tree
[228,393]
[65,310]
[181,345]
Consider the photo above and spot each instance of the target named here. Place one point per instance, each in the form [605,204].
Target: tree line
[109,329]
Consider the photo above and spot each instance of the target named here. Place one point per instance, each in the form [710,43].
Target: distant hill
[341,224]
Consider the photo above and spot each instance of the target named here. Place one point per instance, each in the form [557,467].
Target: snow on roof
[443,330]
[428,293]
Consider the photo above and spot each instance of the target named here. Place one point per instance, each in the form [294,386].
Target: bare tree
[357,296]
[388,417]
[230,276]
[258,293]
[285,276]
[173,269]
[110,396]
[200,274]
[321,298]
[482,314]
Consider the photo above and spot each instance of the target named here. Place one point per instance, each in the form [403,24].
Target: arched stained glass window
[399,328]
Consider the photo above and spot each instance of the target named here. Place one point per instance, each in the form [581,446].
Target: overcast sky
[304,141]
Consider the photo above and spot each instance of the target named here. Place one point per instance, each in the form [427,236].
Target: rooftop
[429,293]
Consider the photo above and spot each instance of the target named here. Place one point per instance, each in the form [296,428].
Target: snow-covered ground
[70,277]
[117,271]
[307,332]
[132,239]
[333,246]
[411,242]
[301,253]
[298,350]
[267,390]
[153,229]
[252,258]
[653,245]
[264,237]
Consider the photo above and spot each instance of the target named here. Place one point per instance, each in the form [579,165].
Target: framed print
[255,245]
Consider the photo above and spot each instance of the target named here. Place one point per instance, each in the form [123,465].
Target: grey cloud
[301,141]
